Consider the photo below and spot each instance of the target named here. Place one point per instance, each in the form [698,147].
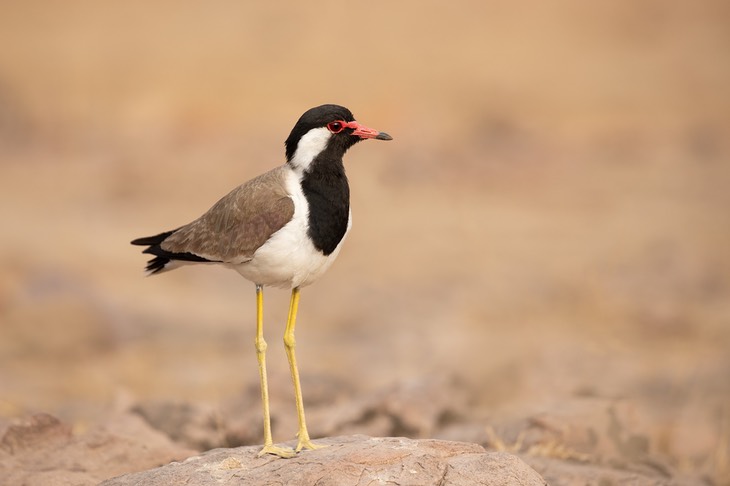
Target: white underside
[289,259]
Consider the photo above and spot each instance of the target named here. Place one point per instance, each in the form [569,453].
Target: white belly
[288,258]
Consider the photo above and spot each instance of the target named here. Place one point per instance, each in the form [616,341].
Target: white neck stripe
[309,147]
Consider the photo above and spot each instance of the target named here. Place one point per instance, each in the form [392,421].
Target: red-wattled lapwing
[283,228]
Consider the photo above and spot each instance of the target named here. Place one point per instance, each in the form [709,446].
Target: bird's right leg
[269,447]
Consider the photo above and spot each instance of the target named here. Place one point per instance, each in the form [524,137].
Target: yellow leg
[289,344]
[269,447]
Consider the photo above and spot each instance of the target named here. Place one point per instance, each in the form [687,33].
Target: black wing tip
[163,257]
[158,263]
[152,240]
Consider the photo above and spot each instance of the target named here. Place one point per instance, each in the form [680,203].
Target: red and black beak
[364,132]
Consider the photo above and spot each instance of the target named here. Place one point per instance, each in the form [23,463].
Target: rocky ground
[538,270]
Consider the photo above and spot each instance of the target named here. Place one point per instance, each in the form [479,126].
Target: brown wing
[237,225]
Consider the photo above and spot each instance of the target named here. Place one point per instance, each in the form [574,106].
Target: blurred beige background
[550,222]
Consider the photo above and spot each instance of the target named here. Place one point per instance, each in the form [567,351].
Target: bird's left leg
[289,344]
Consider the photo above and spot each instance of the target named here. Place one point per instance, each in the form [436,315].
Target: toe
[283,452]
[308,445]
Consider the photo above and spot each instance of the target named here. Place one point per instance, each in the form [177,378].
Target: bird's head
[326,132]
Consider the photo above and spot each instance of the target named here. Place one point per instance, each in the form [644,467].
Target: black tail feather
[156,265]
[163,257]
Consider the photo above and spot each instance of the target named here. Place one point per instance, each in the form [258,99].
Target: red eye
[335,127]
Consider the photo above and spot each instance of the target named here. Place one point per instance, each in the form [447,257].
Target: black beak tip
[383,136]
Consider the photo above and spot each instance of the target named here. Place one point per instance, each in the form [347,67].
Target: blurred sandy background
[548,232]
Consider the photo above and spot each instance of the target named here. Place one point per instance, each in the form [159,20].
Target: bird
[283,228]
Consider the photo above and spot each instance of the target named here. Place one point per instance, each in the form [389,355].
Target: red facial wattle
[357,130]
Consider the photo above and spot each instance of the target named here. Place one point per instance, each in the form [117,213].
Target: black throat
[325,186]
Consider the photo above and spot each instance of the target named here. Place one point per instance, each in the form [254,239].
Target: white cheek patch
[310,146]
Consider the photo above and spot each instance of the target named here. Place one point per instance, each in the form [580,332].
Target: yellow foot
[283,452]
[309,445]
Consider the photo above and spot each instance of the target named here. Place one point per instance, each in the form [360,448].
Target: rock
[41,430]
[571,473]
[415,408]
[349,460]
[195,425]
[43,451]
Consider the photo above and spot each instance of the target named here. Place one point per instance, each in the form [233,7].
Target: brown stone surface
[557,472]
[350,460]
[42,451]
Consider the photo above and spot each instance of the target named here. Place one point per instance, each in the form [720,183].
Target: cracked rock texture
[349,460]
